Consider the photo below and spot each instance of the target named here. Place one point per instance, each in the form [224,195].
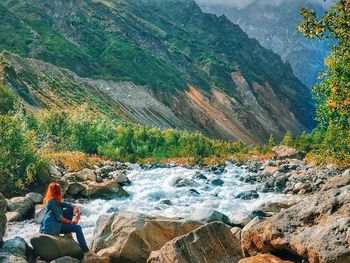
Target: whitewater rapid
[152,190]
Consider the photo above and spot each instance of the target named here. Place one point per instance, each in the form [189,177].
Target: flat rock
[316,229]
[132,237]
[212,243]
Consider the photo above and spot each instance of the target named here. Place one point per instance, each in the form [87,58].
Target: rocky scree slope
[198,71]
[274,24]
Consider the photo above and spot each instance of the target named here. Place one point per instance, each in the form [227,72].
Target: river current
[171,192]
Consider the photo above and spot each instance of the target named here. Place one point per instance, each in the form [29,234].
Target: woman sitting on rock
[55,222]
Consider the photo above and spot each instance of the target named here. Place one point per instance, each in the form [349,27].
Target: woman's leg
[70,228]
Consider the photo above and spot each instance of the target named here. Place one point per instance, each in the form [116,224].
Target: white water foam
[150,187]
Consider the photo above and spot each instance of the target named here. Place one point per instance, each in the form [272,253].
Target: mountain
[159,62]
[274,24]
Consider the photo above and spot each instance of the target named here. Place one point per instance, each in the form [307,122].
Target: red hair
[54,191]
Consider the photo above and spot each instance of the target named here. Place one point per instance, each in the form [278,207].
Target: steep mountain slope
[274,24]
[202,71]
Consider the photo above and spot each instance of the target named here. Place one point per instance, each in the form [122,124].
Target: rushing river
[150,189]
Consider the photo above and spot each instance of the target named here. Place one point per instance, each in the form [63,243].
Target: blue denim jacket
[51,224]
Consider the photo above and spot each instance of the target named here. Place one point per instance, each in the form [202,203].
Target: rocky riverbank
[314,227]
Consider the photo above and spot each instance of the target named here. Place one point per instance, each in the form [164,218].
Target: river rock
[212,243]
[23,205]
[3,206]
[317,228]
[96,259]
[199,176]
[66,260]
[75,188]
[208,216]
[6,257]
[36,197]
[248,195]
[264,258]
[53,247]
[121,177]
[14,217]
[16,246]
[184,182]
[217,182]
[86,175]
[285,152]
[132,237]
[337,181]
[106,189]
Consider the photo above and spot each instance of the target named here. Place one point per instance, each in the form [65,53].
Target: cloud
[244,3]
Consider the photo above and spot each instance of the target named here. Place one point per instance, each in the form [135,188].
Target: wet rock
[132,237]
[36,198]
[285,152]
[199,176]
[184,182]
[53,247]
[337,181]
[23,205]
[6,257]
[108,189]
[248,195]
[120,177]
[264,258]
[317,228]
[75,188]
[217,182]
[166,202]
[66,260]
[17,246]
[194,192]
[197,246]
[86,175]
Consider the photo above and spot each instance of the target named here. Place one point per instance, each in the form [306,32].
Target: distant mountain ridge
[274,25]
[194,70]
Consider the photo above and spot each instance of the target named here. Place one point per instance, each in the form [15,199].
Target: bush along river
[258,211]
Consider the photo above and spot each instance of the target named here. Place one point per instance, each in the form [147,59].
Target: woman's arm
[52,205]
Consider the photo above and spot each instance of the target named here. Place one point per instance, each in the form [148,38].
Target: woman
[55,223]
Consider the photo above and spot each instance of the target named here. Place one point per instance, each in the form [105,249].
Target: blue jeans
[70,228]
[68,213]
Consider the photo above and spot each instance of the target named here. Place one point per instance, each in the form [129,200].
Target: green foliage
[333,91]
[288,139]
[19,163]
[7,100]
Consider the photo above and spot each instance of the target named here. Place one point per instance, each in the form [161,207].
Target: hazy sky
[244,3]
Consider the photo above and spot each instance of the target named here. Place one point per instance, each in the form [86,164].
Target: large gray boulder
[86,175]
[106,189]
[316,229]
[284,152]
[36,197]
[212,243]
[132,237]
[22,205]
[53,247]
